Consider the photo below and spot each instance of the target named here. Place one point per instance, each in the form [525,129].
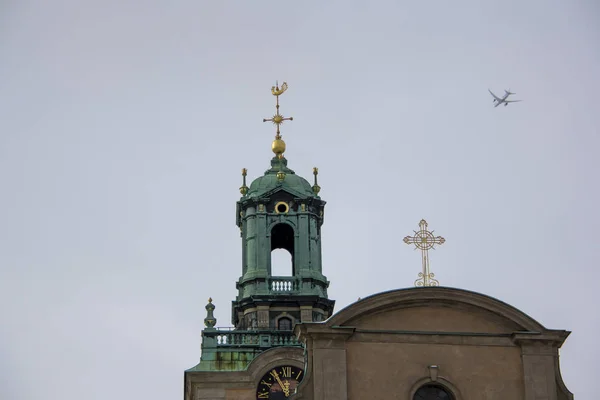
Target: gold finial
[244,188]
[210,299]
[278,145]
[424,240]
[316,188]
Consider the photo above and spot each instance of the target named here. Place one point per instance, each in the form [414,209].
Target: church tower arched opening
[282,250]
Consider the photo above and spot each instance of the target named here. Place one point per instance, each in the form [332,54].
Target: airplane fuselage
[502,99]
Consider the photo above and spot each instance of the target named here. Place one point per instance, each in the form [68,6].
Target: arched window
[284,324]
[282,250]
[432,392]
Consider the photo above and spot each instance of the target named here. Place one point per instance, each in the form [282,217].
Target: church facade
[422,343]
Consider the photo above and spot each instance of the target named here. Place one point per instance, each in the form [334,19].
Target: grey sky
[124,126]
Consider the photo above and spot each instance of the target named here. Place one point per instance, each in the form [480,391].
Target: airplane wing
[496,97]
[511,101]
[497,104]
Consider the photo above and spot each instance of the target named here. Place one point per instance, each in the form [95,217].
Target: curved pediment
[275,357]
[433,309]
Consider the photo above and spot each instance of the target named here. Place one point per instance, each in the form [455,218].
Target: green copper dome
[280,176]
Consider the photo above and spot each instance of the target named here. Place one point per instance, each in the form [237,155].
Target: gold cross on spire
[277,119]
[424,240]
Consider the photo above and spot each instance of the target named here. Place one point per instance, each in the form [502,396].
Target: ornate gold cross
[424,240]
[278,119]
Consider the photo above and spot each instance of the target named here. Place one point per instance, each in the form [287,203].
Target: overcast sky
[124,126]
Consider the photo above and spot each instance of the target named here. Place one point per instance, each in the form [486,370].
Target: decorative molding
[275,357]
[451,338]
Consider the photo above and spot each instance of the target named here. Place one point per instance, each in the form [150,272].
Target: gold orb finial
[278,146]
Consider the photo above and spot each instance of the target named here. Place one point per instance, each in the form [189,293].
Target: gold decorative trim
[282,203]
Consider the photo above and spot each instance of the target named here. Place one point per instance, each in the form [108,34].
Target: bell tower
[280,210]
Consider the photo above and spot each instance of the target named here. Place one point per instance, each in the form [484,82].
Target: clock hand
[285,387]
[276,375]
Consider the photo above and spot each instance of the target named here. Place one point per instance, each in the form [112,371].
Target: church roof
[431,296]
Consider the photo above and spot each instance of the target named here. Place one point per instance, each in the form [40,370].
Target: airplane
[503,99]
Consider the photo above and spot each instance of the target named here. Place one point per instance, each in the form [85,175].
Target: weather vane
[424,240]
[278,145]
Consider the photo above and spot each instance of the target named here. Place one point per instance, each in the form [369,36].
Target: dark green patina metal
[257,216]
[291,183]
[278,210]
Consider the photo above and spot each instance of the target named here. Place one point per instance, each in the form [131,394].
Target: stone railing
[255,339]
[283,284]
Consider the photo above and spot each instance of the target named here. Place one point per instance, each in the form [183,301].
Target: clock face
[279,383]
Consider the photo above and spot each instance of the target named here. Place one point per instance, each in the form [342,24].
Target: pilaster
[306,313]
[539,353]
[263,317]
[328,372]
